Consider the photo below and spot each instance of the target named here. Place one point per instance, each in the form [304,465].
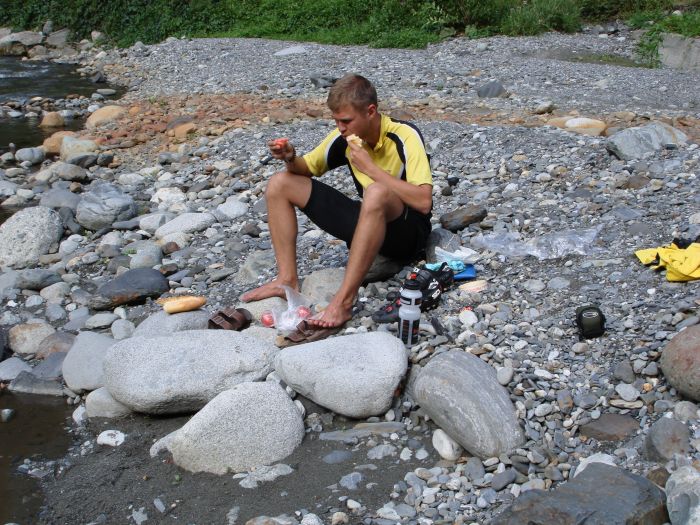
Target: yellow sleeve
[318,158]
[417,164]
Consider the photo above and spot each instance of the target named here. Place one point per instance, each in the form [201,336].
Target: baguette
[183,303]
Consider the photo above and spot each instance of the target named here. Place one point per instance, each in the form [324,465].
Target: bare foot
[271,289]
[336,314]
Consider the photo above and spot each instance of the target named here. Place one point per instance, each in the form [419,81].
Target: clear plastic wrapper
[548,246]
[298,308]
[466,255]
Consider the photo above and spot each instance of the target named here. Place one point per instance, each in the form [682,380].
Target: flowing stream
[37,430]
[20,80]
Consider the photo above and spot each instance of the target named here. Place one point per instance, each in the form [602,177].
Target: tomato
[267,319]
[303,311]
[281,143]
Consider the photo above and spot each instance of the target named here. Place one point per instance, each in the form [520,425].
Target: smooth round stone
[468,318]
[101,320]
[543,410]
[33,301]
[580,348]
[445,446]
[627,392]
[504,375]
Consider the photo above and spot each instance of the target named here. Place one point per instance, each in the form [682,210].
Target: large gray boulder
[635,143]
[133,286]
[36,279]
[680,362]
[683,496]
[462,395]
[60,198]
[248,426]
[320,286]
[27,235]
[600,495]
[7,188]
[162,323]
[83,366]
[30,155]
[186,223]
[25,338]
[182,372]
[12,367]
[354,375]
[103,205]
[26,38]
[70,172]
[680,52]
[72,147]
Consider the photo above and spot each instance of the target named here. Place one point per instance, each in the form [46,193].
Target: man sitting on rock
[391,171]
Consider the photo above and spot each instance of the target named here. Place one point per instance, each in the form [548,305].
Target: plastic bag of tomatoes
[298,309]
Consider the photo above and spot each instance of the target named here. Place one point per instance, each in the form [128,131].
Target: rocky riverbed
[554,172]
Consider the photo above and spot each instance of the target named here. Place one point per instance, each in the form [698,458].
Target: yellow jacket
[681,264]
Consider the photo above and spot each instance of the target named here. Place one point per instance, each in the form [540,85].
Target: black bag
[590,321]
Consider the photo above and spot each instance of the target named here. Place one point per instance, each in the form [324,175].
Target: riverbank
[192,136]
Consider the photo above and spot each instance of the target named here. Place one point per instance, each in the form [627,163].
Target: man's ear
[371,110]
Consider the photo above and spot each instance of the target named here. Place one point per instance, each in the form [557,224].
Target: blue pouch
[469,272]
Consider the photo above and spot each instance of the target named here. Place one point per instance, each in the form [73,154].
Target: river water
[38,429]
[23,79]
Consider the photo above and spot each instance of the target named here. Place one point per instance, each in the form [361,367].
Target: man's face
[353,121]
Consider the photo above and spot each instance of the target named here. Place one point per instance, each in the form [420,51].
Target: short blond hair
[354,90]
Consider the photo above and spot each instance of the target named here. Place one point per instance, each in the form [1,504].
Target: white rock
[100,403]
[598,457]
[25,338]
[468,318]
[447,447]
[111,438]
[27,235]
[627,392]
[462,395]
[353,375]
[172,374]
[248,426]
[233,208]
[186,223]
[80,415]
[83,366]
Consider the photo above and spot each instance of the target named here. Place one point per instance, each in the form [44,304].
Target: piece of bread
[354,139]
[183,303]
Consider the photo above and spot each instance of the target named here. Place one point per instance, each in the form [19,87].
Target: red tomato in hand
[267,319]
[303,311]
[281,143]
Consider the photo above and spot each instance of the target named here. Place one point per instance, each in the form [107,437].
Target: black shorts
[337,214]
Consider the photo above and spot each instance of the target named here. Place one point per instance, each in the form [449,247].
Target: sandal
[307,333]
[231,319]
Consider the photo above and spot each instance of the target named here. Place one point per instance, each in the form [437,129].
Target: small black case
[590,321]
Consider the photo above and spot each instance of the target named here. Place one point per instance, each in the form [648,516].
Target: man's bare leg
[379,206]
[285,192]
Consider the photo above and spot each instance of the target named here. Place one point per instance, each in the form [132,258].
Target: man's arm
[297,166]
[281,149]
[420,198]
